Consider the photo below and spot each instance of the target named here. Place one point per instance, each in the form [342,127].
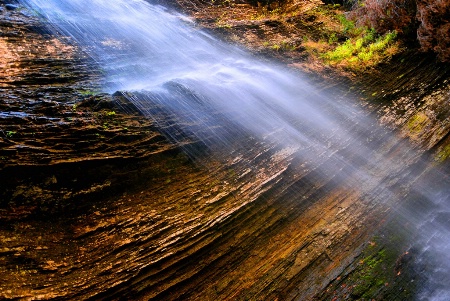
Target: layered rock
[98,204]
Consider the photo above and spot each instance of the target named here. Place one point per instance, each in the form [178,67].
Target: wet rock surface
[97,204]
[55,134]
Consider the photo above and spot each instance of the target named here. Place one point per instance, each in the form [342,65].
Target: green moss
[222,21]
[363,48]
[86,92]
[332,38]
[361,51]
[276,47]
[10,134]
[383,271]
[224,25]
[443,153]
[417,122]
[348,26]
[341,52]
[371,274]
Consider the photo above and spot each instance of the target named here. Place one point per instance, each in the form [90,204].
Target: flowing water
[200,89]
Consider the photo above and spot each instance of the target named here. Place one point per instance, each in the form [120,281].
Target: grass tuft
[363,50]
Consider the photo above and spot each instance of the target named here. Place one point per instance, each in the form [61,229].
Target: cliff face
[409,92]
[97,203]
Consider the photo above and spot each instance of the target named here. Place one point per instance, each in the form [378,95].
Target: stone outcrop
[98,204]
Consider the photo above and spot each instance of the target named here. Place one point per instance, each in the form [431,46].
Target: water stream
[196,87]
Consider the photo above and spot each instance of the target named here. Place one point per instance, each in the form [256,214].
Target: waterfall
[197,87]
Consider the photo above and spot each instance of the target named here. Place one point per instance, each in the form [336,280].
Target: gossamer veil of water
[212,92]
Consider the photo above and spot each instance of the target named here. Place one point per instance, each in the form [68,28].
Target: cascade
[201,89]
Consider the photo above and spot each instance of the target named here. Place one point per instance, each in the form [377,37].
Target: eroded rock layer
[98,204]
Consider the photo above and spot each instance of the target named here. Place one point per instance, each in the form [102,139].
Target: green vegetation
[332,39]
[10,134]
[416,123]
[371,274]
[382,270]
[283,46]
[348,26]
[222,22]
[265,13]
[87,92]
[362,49]
[345,45]
[224,25]
[443,153]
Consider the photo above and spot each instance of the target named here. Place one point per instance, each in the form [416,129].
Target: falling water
[196,87]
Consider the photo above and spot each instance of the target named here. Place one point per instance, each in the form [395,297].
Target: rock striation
[96,202]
